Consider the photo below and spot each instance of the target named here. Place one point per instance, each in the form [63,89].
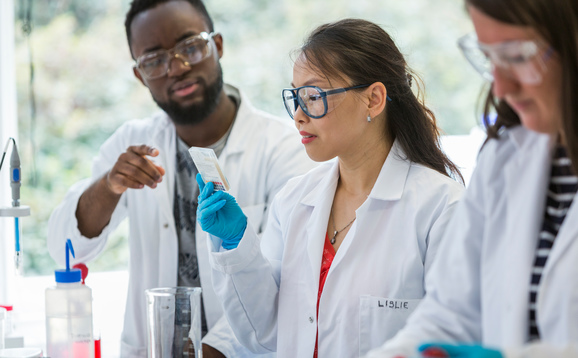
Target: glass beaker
[174,322]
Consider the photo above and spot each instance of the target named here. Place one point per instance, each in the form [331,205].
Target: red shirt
[326,260]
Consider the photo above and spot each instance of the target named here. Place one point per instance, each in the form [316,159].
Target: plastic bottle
[69,314]
[2,321]
[8,325]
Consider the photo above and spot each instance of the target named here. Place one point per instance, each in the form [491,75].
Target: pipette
[17,256]
[16,210]
[15,185]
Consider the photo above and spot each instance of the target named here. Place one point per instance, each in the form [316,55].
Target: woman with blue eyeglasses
[342,261]
[505,280]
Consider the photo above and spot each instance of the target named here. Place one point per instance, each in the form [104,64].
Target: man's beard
[195,113]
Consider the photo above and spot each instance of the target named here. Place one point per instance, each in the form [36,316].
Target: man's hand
[133,170]
[210,352]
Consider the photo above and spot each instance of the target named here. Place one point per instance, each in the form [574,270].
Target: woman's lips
[307,137]
[520,106]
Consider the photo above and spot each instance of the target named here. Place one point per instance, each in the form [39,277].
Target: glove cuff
[233,242]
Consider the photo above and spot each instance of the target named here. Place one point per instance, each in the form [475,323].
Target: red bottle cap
[83,270]
[8,308]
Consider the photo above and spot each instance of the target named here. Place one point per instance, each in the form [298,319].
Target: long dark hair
[556,21]
[361,52]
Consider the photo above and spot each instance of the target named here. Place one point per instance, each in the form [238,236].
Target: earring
[368,118]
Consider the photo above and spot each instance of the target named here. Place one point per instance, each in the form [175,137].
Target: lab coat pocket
[380,319]
[255,215]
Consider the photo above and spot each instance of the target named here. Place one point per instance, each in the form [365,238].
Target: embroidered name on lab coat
[396,305]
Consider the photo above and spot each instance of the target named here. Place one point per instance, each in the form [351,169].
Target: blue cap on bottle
[68,275]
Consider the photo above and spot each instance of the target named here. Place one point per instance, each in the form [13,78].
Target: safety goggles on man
[191,51]
[520,60]
[313,100]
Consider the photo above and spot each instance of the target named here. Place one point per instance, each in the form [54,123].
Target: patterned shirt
[185,213]
[561,191]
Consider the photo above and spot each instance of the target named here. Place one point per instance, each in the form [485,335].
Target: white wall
[8,128]
[463,150]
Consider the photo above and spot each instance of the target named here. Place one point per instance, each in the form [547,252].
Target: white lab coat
[261,154]
[478,289]
[375,281]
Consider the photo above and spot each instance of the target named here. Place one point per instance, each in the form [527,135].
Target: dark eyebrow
[186,35]
[179,39]
[153,49]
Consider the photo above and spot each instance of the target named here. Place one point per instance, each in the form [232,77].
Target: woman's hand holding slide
[219,214]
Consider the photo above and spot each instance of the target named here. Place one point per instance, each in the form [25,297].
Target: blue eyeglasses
[312,100]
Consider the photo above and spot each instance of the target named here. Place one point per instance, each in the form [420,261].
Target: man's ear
[139,76]
[218,38]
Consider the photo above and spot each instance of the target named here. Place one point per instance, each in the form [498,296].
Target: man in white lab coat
[143,171]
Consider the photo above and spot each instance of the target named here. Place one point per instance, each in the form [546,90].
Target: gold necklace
[335,231]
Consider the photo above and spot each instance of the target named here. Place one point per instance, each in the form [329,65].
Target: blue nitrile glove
[220,215]
[458,351]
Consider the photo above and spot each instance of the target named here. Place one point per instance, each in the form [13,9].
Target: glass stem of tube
[17,255]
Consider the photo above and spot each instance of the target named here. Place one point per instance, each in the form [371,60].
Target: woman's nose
[504,83]
[300,116]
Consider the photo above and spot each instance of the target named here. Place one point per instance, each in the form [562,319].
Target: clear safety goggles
[191,51]
[520,60]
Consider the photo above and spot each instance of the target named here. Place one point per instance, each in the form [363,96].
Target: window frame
[8,128]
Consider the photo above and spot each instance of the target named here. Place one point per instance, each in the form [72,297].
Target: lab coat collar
[525,218]
[324,188]
[389,184]
[392,177]
[523,137]
[567,233]
[320,199]
[236,142]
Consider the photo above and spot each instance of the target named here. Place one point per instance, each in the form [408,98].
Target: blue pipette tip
[18,262]
[17,254]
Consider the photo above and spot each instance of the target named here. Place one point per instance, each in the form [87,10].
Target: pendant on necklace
[332,241]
